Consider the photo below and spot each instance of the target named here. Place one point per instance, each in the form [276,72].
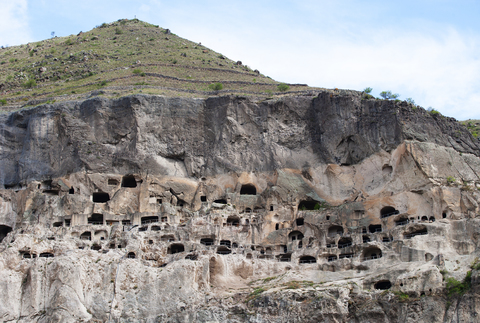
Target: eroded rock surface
[304,209]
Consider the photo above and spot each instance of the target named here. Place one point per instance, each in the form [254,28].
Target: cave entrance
[207,241]
[334,230]
[226,243]
[95,219]
[149,219]
[372,253]
[344,242]
[307,260]
[295,235]
[383,285]
[308,206]
[129,181]
[248,189]
[175,248]
[388,211]
[375,228]
[86,235]
[233,221]
[100,197]
[223,250]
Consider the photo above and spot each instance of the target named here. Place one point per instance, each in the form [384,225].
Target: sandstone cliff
[318,207]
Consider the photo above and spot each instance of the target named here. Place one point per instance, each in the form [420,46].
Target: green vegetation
[434,112]
[283,87]
[475,264]
[450,180]
[138,71]
[268,279]
[292,285]
[402,296]
[367,90]
[410,100]
[256,292]
[456,288]
[29,84]
[388,95]
[78,65]
[216,86]
[473,126]
[3,102]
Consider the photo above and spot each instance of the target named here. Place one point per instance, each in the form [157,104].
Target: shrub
[137,71]
[367,90]
[454,287]
[103,83]
[118,31]
[29,84]
[388,95]
[433,112]
[410,100]
[450,180]
[69,42]
[283,87]
[3,101]
[216,86]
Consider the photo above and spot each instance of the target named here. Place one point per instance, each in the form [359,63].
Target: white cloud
[14,23]
[436,65]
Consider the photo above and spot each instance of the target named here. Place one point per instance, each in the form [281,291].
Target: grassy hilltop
[121,58]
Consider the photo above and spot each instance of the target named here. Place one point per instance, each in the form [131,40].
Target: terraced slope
[121,58]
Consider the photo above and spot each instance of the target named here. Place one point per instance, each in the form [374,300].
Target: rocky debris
[311,208]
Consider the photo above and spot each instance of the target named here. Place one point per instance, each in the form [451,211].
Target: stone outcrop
[308,208]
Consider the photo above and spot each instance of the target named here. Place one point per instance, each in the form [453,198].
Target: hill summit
[122,58]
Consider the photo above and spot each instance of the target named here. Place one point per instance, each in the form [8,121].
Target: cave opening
[129,181]
[383,285]
[248,189]
[100,197]
[4,230]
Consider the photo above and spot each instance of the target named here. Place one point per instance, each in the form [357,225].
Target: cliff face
[197,137]
[309,208]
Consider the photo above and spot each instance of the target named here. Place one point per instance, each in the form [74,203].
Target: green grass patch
[283,87]
[216,86]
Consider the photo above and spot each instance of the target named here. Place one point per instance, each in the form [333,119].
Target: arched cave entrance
[175,248]
[372,253]
[383,285]
[334,230]
[248,189]
[4,230]
[388,211]
[295,235]
[308,205]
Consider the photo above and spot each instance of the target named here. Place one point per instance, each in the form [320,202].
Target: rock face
[311,208]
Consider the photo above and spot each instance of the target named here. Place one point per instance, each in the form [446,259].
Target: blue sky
[427,50]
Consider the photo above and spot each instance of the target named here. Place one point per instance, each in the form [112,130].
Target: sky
[427,50]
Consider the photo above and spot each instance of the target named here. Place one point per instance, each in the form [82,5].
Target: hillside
[122,58]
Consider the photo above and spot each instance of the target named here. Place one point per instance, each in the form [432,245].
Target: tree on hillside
[388,95]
